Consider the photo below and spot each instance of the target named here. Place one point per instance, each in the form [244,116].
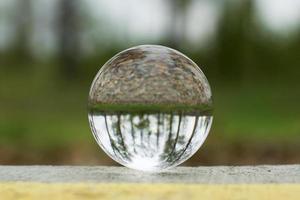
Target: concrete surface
[119,183]
[136,191]
[199,175]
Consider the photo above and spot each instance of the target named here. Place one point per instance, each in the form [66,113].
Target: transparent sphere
[150,108]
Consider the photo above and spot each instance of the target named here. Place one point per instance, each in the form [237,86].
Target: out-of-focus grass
[258,111]
[42,113]
[40,109]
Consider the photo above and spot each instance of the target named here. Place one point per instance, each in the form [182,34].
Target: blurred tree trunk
[233,50]
[178,17]
[23,23]
[68,37]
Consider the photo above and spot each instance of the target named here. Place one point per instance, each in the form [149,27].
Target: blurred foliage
[253,73]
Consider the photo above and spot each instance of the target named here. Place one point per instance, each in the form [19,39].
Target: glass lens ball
[150,108]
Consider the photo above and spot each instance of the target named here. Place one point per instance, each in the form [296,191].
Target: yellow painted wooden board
[146,191]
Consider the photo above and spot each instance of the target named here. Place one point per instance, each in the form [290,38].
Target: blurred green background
[51,50]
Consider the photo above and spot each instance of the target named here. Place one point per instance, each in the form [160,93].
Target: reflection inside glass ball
[150,108]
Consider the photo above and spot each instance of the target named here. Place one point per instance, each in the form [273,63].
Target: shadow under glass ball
[150,108]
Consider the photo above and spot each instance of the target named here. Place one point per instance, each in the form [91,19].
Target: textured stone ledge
[199,175]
